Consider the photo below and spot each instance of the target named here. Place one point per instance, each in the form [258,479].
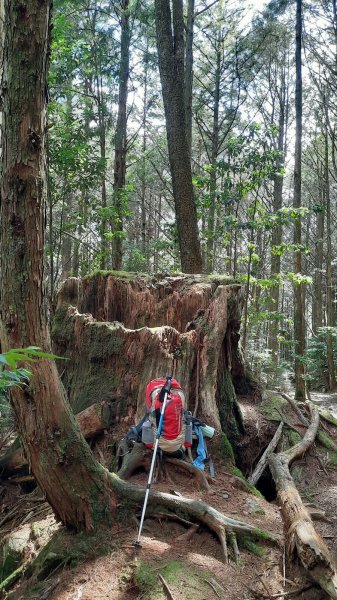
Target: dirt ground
[170,566]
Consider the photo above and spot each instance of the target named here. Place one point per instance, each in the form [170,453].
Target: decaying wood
[261,465]
[92,421]
[12,460]
[295,408]
[300,532]
[95,419]
[318,515]
[320,435]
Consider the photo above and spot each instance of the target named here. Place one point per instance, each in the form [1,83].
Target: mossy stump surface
[119,331]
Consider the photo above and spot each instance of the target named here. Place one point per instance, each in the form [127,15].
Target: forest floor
[190,568]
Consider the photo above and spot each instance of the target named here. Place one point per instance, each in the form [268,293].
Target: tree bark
[59,457]
[275,262]
[330,314]
[189,71]
[119,200]
[299,305]
[92,421]
[214,156]
[170,43]
[144,244]
[317,302]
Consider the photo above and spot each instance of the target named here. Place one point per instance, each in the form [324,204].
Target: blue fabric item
[199,462]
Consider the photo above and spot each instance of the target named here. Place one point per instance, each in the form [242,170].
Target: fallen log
[261,465]
[92,421]
[300,532]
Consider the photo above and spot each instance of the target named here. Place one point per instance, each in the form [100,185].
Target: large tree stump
[120,331]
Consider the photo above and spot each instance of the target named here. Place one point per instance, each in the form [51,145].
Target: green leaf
[3,359]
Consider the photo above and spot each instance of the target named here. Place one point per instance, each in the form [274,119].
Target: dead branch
[213,587]
[167,590]
[261,465]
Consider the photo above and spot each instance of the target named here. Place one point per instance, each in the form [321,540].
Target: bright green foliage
[12,375]
[316,359]
[253,547]
[251,162]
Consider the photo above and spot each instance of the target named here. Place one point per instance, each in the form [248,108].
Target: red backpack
[173,416]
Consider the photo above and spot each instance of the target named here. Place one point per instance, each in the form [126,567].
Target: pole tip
[137,546]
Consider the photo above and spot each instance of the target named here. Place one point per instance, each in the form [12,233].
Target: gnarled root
[137,458]
[140,456]
[192,511]
[311,549]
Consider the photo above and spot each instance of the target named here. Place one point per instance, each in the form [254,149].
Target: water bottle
[188,430]
[207,431]
[147,434]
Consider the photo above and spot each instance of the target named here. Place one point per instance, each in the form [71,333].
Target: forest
[168,207]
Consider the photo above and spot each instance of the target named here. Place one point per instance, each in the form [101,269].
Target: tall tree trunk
[120,139]
[299,309]
[60,459]
[170,43]
[66,248]
[249,274]
[143,174]
[330,316]
[104,220]
[276,238]
[214,156]
[189,71]
[317,302]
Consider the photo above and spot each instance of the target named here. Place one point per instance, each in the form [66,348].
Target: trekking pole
[167,389]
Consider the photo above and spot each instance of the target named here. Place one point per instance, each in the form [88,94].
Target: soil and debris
[181,561]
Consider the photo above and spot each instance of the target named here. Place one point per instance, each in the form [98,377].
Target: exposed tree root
[140,456]
[322,437]
[223,526]
[300,532]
